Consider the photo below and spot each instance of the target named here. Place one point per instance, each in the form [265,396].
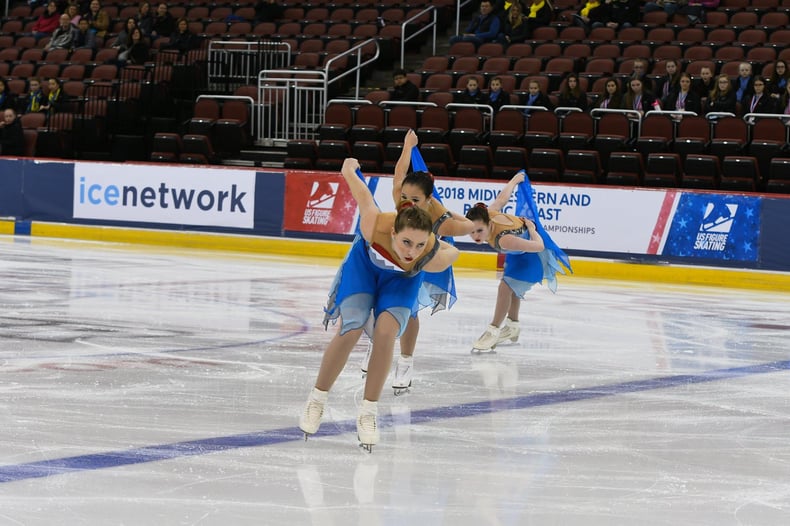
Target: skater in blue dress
[530,257]
[381,275]
[438,289]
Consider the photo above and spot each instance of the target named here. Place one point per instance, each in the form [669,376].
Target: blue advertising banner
[719,227]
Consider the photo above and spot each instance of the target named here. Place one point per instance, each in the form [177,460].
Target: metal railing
[405,24]
[236,63]
[291,102]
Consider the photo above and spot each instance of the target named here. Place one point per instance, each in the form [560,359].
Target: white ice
[146,386]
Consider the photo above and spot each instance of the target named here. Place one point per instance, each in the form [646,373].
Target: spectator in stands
[638,98]
[722,98]
[684,98]
[163,24]
[403,89]
[538,15]
[571,95]
[611,98]
[760,101]
[73,10]
[268,11]
[777,83]
[623,13]
[12,138]
[639,71]
[668,83]
[84,37]
[670,7]
[497,97]
[695,9]
[472,93]
[6,97]
[48,22]
[63,36]
[145,20]
[743,84]
[98,19]
[35,97]
[705,83]
[183,40]
[483,28]
[124,39]
[784,101]
[139,51]
[54,99]
[535,97]
[582,18]
[514,27]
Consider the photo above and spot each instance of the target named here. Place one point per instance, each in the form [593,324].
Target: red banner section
[318,202]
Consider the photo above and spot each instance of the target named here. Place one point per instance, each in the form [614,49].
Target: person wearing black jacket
[403,89]
[760,101]
[12,138]
[684,98]
[722,98]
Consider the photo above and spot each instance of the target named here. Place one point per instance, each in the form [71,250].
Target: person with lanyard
[611,98]
[55,97]
[784,101]
[668,83]
[636,98]
[684,99]
[438,289]
[382,273]
[35,99]
[497,97]
[531,256]
[760,101]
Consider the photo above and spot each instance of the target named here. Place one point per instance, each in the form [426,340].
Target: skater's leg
[387,328]
[504,298]
[408,340]
[515,307]
[335,358]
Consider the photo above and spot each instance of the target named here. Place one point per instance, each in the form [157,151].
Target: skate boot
[367,427]
[510,331]
[364,365]
[487,341]
[403,374]
[310,420]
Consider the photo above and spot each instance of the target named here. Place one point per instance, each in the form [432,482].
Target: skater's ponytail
[479,212]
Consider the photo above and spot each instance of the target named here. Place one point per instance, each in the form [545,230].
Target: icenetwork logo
[162,196]
[320,203]
[168,194]
[715,227]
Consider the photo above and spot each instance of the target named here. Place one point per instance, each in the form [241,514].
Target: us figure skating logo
[715,227]
[320,203]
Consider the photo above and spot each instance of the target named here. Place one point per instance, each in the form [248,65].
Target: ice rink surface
[146,386]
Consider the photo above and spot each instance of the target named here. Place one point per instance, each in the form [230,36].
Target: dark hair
[398,72]
[478,212]
[422,180]
[410,216]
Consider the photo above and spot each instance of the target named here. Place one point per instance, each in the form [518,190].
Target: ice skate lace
[367,423]
[314,411]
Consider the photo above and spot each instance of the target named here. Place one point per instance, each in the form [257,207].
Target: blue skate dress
[371,278]
[522,269]
[438,288]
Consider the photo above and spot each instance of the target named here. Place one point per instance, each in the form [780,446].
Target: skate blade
[400,391]
[484,351]
[366,447]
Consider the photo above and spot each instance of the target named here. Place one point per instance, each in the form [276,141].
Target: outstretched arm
[456,225]
[402,166]
[504,196]
[361,193]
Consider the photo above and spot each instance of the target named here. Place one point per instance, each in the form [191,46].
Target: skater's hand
[350,164]
[410,141]
[519,177]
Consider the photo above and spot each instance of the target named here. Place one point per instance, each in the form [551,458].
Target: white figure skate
[310,420]
[404,371]
[487,341]
[367,426]
[510,331]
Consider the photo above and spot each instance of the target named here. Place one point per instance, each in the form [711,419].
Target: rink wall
[666,235]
